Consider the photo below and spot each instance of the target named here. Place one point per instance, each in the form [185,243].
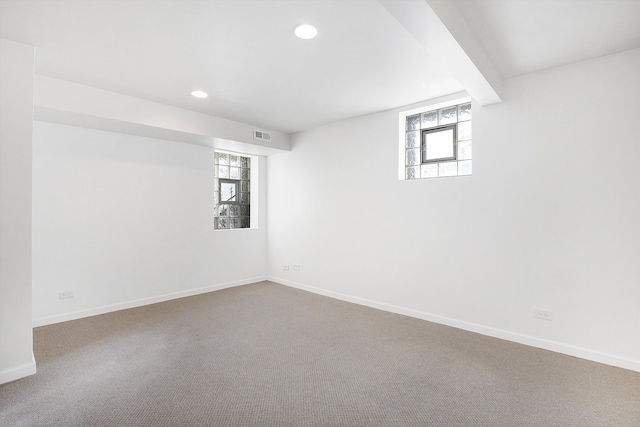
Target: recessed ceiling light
[199,94]
[306,31]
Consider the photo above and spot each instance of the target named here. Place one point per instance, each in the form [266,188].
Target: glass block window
[437,142]
[232,196]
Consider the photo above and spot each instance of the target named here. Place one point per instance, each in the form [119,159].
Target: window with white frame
[436,142]
[232,193]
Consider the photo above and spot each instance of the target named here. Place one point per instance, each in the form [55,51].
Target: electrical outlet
[538,313]
[65,294]
[285,267]
[296,267]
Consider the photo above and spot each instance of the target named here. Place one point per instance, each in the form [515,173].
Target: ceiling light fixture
[305,31]
[199,94]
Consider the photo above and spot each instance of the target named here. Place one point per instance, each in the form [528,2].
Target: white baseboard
[558,347]
[57,318]
[18,372]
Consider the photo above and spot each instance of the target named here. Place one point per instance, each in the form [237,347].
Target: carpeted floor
[268,355]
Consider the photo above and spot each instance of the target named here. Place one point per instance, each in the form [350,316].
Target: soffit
[526,36]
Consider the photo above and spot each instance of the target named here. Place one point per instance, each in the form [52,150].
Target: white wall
[16,117]
[548,219]
[123,220]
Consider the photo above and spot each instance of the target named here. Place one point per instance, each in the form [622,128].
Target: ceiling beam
[63,102]
[441,29]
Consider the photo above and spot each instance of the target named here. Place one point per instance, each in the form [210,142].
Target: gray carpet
[268,355]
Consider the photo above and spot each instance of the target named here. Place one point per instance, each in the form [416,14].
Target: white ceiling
[525,36]
[243,53]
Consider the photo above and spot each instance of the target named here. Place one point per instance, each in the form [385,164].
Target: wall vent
[261,135]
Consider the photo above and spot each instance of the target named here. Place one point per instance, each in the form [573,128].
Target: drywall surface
[63,102]
[16,117]
[122,220]
[549,218]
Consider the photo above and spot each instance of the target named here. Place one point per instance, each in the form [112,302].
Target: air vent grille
[261,135]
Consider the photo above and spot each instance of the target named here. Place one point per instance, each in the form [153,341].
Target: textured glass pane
[464,168]
[429,171]
[464,131]
[412,172]
[448,169]
[412,139]
[413,122]
[223,222]
[413,157]
[464,150]
[234,173]
[429,119]
[438,145]
[448,115]
[464,112]
[237,168]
